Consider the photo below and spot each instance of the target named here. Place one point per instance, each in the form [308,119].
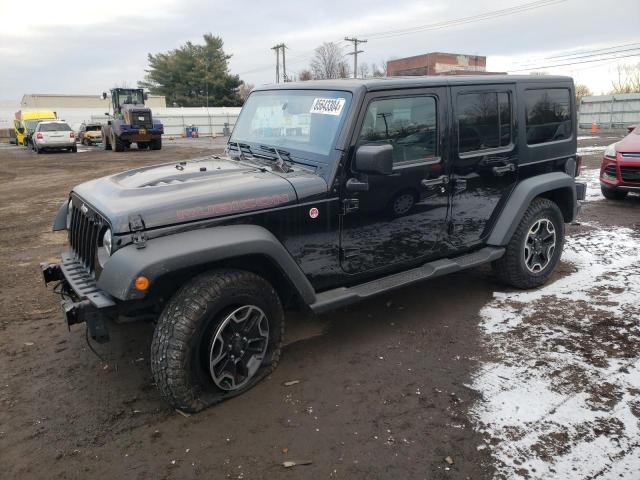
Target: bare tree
[305,75]
[628,80]
[582,91]
[378,71]
[363,70]
[328,62]
[244,90]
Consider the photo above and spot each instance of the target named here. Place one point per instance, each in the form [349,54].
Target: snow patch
[562,398]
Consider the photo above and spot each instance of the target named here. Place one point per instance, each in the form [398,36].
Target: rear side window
[484,121]
[548,115]
[408,124]
[54,127]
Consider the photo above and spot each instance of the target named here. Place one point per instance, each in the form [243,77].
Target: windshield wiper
[280,163]
[239,147]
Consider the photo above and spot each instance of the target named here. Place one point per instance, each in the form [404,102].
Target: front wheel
[217,337]
[156,144]
[535,248]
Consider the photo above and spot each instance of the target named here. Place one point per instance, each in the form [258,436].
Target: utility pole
[355,53]
[277,49]
[284,66]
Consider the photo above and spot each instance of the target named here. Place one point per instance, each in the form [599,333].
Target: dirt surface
[386,388]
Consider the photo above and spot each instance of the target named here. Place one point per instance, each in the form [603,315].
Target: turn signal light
[142,283]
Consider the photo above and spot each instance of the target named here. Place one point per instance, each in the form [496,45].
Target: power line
[575,63]
[586,54]
[464,20]
[355,53]
[436,26]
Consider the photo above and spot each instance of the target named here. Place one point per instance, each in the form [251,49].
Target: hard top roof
[392,83]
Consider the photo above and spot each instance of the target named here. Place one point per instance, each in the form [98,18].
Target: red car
[620,169]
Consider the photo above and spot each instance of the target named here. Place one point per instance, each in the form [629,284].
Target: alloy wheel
[539,245]
[239,345]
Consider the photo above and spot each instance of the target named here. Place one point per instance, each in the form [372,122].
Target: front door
[401,217]
[485,159]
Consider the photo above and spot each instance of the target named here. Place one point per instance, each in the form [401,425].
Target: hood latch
[136,224]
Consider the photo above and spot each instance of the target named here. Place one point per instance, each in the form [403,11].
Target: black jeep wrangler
[327,193]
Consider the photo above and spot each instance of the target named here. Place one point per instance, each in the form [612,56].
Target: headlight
[104,250]
[69,209]
[610,151]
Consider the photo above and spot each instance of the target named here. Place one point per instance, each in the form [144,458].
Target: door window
[408,124]
[548,114]
[484,121]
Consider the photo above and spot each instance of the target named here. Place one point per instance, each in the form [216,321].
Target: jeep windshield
[303,122]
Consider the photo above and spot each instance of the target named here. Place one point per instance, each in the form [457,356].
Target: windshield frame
[297,156]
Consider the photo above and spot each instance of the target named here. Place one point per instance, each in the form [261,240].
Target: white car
[54,135]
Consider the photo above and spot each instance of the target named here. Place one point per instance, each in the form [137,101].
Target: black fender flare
[194,248]
[522,196]
[60,221]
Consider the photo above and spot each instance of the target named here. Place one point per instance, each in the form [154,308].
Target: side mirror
[104,95]
[374,159]
[631,128]
[145,96]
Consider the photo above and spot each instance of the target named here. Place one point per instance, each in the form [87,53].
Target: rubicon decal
[233,206]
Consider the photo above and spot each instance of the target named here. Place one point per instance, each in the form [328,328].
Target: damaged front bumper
[82,301]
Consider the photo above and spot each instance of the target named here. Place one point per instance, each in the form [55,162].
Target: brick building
[438,63]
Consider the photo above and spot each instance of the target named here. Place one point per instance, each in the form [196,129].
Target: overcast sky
[60,46]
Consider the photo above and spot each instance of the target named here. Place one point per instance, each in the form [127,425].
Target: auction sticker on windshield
[327,106]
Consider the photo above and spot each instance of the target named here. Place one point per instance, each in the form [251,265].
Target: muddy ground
[385,388]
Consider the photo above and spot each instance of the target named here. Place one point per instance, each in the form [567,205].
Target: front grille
[86,226]
[630,174]
[136,121]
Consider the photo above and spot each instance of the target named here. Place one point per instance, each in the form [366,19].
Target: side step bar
[339,297]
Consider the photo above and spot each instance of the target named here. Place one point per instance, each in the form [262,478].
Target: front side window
[484,121]
[307,121]
[548,115]
[408,124]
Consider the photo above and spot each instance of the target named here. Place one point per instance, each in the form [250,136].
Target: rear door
[401,218]
[485,159]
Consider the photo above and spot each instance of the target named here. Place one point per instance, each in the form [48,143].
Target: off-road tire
[511,268]
[612,193]
[106,144]
[156,144]
[116,143]
[179,349]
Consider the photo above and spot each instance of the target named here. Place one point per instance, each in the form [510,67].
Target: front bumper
[82,301]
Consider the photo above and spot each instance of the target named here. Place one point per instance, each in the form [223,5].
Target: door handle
[508,168]
[434,182]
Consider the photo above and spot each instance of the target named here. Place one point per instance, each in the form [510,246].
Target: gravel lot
[507,384]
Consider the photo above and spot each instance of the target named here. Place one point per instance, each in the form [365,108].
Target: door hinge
[350,205]
[136,224]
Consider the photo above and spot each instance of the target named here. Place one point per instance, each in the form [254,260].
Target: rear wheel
[535,248]
[106,144]
[218,336]
[156,144]
[612,193]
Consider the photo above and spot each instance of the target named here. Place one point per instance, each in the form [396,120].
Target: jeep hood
[179,192]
